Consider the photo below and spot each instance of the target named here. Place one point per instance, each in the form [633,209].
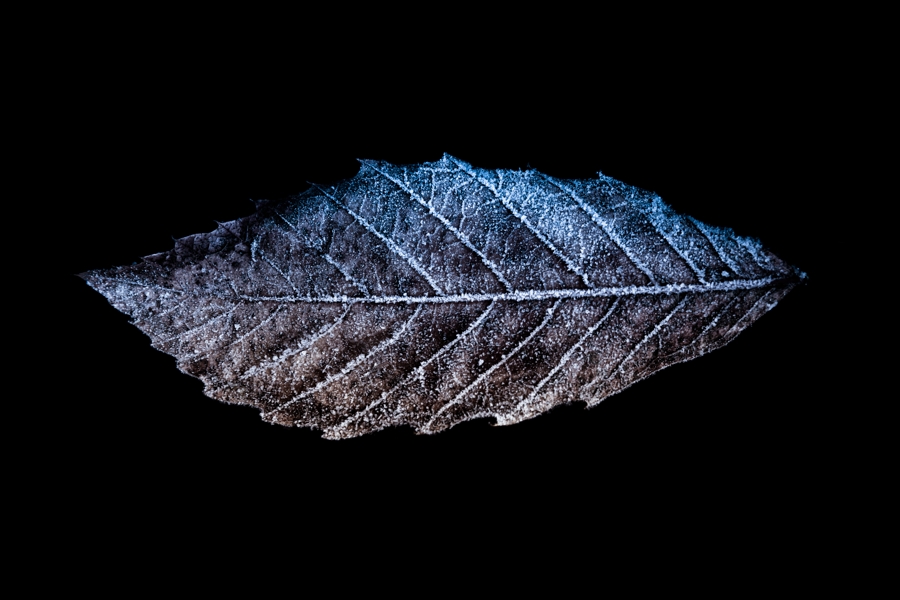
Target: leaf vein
[463,238]
[349,367]
[723,256]
[637,346]
[566,357]
[459,397]
[504,200]
[328,258]
[323,331]
[606,229]
[389,243]
[417,372]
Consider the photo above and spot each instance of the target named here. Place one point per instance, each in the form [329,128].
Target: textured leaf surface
[433,294]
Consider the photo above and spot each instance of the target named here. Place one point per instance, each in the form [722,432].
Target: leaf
[433,294]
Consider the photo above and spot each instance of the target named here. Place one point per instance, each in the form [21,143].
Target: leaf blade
[439,293]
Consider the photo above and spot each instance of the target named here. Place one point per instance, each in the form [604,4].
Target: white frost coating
[388,242]
[465,240]
[746,314]
[152,286]
[658,220]
[257,324]
[529,296]
[710,234]
[205,352]
[417,372]
[349,367]
[200,327]
[606,228]
[177,305]
[459,397]
[638,345]
[521,217]
[304,345]
[280,272]
[709,326]
[261,324]
[346,274]
[234,289]
[472,327]
[330,259]
[525,296]
[562,362]
[754,249]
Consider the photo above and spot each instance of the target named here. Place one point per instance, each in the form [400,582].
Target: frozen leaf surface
[433,294]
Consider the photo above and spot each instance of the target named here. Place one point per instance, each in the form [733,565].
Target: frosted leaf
[432,294]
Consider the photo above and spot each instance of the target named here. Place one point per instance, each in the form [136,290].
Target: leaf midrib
[518,296]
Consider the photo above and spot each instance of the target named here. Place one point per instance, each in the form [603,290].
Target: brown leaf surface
[433,294]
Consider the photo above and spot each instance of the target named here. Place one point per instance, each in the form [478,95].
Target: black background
[164,148]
